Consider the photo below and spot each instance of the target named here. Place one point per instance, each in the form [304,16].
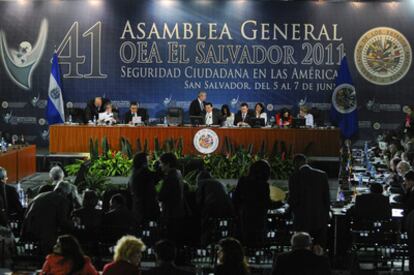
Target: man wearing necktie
[197,105]
[211,117]
[242,118]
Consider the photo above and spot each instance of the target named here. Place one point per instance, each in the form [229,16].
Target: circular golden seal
[383,56]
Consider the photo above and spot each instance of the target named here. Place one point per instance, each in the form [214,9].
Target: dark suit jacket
[239,118]
[91,218]
[372,206]
[144,197]
[46,217]
[172,197]
[141,112]
[117,223]
[195,109]
[9,194]
[301,262]
[309,199]
[167,269]
[91,110]
[216,117]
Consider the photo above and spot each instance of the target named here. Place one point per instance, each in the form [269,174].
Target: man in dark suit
[211,115]
[134,110]
[197,105]
[94,107]
[11,204]
[165,255]
[301,260]
[372,206]
[309,200]
[243,117]
[47,216]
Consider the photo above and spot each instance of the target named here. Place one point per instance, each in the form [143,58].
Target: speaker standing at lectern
[197,105]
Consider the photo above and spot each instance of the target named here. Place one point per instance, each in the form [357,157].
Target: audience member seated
[372,206]
[88,215]
[118,221]
[142,189]
[211,115]
[394,180]
[7,238]
[165,255]
[227,116]
[284,118]
[10,197]
[172,198]
[309,200]
[301,260]
[127,257]
[409,192]
[136,111]
[231,259]
[260,112]
[252,201]
[403,167]
[93,108]
[304,113]
[243,117]
[47,215]
[68,258]
[213,202]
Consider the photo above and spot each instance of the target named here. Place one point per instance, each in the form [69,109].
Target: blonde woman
[127,257]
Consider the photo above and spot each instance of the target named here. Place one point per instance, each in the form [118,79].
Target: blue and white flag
[344,102]
[55,109]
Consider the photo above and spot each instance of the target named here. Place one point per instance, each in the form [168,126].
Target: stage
[75,138]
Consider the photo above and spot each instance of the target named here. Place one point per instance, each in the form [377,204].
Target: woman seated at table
[259,111]
[109,116]
[227,116]
[284,118]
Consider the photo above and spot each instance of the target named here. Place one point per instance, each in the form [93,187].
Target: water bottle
[360,181]
[70,119]
[94,120]
[165,121]
[3,145]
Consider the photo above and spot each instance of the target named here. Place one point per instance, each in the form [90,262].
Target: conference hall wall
[161,53]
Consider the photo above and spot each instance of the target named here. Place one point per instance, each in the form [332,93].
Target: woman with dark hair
[259,111]
[284,118]
[142,189]
[231,259]
[252,200]
[68,258]
[227,115]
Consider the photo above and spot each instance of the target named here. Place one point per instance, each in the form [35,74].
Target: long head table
[19,161]
[75,138]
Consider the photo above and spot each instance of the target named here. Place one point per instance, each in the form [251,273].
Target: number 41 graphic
[68,52]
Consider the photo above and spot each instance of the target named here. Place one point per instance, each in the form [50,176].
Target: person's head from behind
[260,170]
[202,96]
[203,175]
[56,173]
[259,108]
[90,199]
[208,107]
[376,188]
[301,240]
[409,180]
[133,107]
[168,161]
[244,108]
[98,102]
[129,249]
[165,251]
[403,167]
[225,110]
[68,247]
[393,164]
[230,253]
[3,175]
[140,160]
[117,201]
[299,160]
